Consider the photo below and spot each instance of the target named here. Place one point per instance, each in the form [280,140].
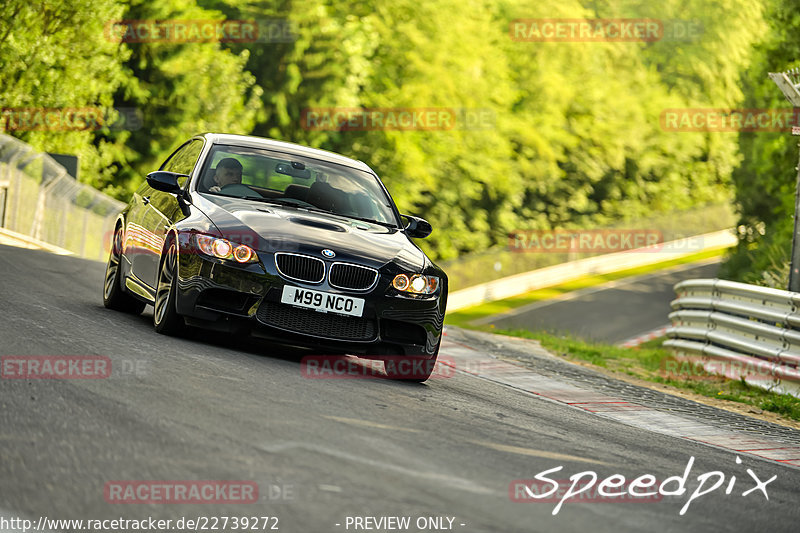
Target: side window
[184,159]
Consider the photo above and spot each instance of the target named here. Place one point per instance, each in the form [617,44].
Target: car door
[135,237]
[162,210]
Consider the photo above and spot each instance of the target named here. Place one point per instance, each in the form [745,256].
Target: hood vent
[319,224]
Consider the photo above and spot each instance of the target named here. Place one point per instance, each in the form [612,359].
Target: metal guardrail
[40,200]
[737,330]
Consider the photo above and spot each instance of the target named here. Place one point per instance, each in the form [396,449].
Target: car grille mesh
[355,277]
[300,267]
[314,323]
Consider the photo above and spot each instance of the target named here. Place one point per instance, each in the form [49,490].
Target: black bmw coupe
[298,245]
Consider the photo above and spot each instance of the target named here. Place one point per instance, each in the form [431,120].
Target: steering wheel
[237,189]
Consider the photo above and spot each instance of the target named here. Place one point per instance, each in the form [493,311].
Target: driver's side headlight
[225,249]
[416,283]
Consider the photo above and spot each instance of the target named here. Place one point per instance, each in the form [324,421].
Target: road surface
[326,455]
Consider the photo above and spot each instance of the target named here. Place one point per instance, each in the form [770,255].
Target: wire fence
[39,199]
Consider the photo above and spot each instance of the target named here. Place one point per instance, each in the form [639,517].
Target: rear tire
[166,319]
[114,295]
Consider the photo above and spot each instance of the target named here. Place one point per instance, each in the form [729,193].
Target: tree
[54,55]
[765,181]
[180,89]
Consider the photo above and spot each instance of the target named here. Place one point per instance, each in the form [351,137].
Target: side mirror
[419,228]
[161,180]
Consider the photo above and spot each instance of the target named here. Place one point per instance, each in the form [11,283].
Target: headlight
[416,283]
[225,249]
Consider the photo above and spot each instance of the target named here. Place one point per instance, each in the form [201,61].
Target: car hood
[273,228]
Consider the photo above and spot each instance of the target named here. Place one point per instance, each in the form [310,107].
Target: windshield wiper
[318,210]
[277,201]
[385,224]
[311,208]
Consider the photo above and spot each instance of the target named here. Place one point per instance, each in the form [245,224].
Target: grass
[464,317]
[499,262]
[649,361]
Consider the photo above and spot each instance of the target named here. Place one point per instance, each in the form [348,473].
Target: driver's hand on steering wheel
[228,172]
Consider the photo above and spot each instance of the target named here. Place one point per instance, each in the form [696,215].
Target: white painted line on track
[473,362]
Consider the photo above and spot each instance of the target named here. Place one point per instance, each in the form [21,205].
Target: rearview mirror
[417,227]
[161,180]
[295,170]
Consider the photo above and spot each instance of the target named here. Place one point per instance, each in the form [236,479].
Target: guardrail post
[83,233]
[3,203]
[41,205]
[62,234]
[12,169]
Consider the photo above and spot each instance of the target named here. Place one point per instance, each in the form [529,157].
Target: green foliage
[53,54]
[573,138]
[603,155]
[180,89]
[766,180]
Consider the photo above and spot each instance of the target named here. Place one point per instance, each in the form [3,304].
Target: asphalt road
[612,313]
[320,451]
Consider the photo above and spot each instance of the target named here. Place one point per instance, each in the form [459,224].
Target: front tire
[413,369]
[114,295]
[166,319]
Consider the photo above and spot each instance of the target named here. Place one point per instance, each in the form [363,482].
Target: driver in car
[228,172]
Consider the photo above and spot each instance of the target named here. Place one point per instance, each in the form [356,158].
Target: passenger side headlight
[416,283]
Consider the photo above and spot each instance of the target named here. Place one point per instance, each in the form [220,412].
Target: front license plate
[324,302]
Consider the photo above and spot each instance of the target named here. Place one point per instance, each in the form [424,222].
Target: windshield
[295,181]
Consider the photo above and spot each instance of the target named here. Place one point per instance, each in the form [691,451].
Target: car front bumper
[248,296]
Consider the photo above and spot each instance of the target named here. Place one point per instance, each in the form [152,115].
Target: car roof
[250,141]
